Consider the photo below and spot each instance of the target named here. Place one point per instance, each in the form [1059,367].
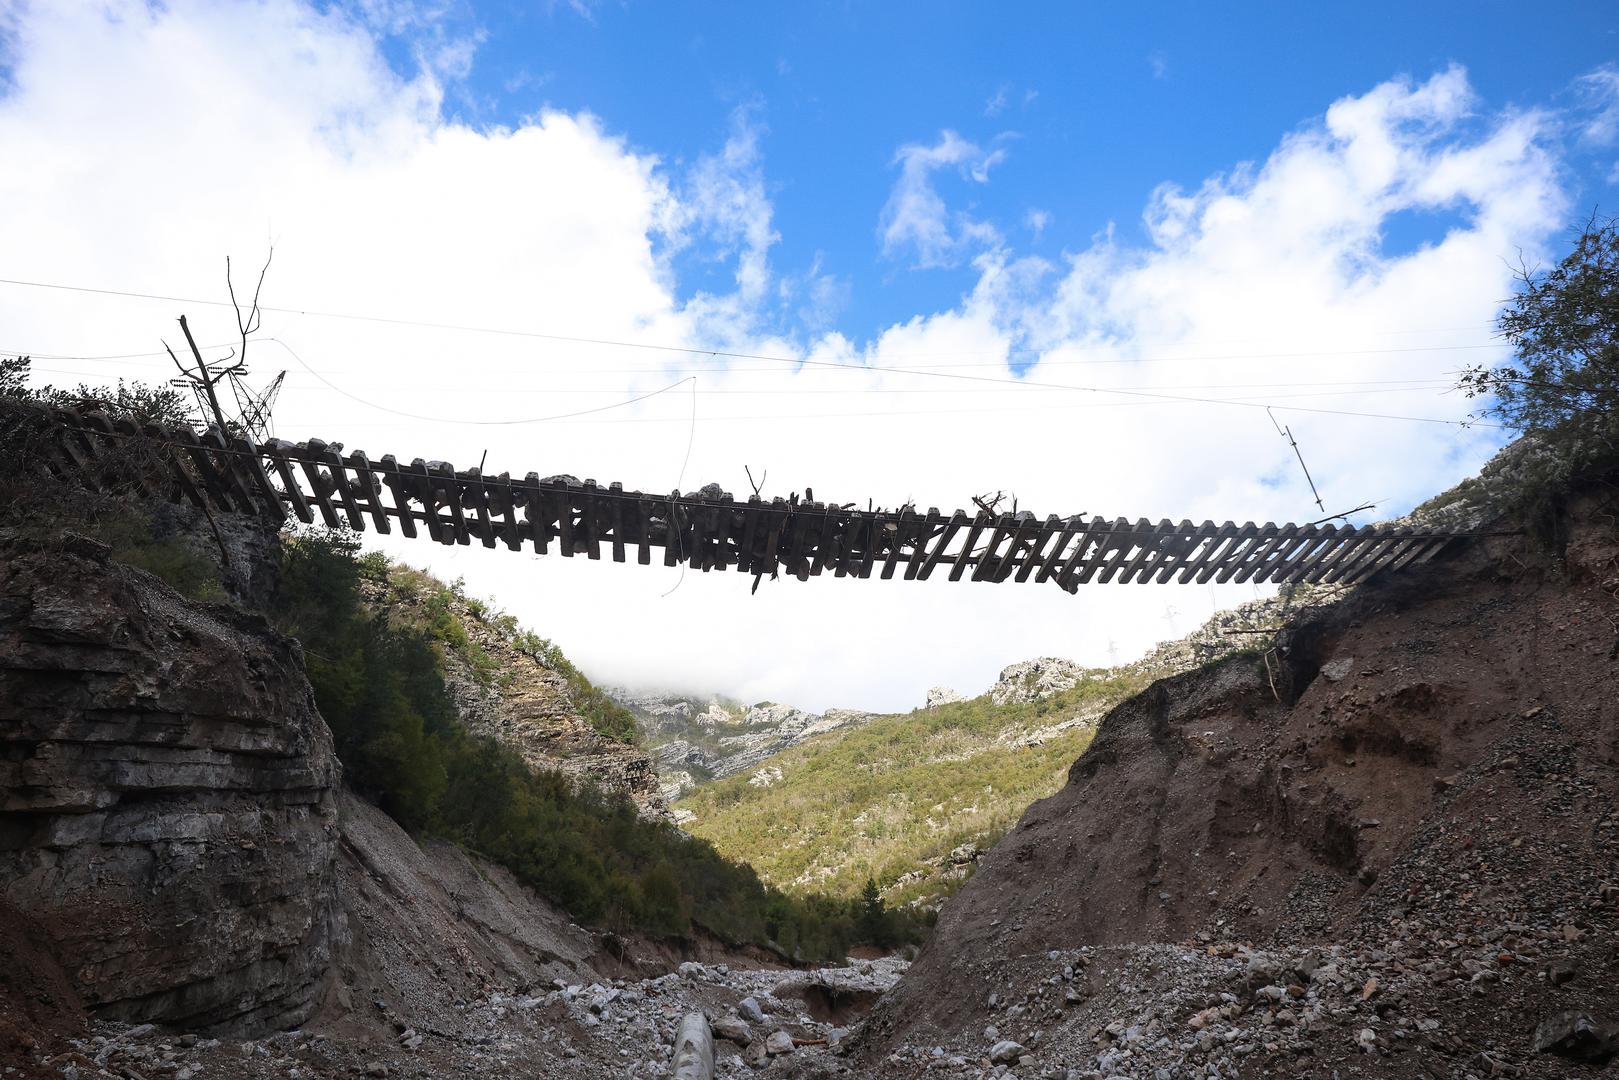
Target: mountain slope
[892,798]
[1392,843]
[910,800]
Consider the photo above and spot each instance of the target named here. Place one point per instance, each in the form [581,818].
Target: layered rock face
[521,702]
[698,739]
[167,795]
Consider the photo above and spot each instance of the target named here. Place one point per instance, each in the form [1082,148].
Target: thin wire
[941,375]
[680,533]
[1038,361]
[721,352]
[482,423]
[469,328]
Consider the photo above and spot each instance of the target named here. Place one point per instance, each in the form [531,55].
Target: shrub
[1561,389]
[380,686]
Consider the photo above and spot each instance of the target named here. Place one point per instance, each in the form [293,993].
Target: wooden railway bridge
[708,530]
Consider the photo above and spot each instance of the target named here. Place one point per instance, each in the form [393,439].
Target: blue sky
[1143,233]
[1094,105]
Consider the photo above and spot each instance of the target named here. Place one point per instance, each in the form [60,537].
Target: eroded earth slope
[1388,847]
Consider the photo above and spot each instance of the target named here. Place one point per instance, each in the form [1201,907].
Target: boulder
[1578,1036]
[1007,1052]
[1032,680]
[733,1028]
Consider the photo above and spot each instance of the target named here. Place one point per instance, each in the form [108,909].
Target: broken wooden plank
[941,544]
[1034,558]
[1151,547]
[587,520]
[1128,536]
[366,479]
[1227,551]
[1188,539]
[1054,562]
[965,556]
[928,529]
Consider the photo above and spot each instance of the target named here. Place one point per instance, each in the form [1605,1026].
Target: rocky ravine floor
[767,1023]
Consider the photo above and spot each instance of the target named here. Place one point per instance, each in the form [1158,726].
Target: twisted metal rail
[708,530]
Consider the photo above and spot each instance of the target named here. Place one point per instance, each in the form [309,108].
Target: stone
[1006,1052]
[1336,670]
[733,1028]
[1032,680]
[941,695]
[1559,972]
[1578,1036]
[754,1054]
[779,1042]
[748,1008]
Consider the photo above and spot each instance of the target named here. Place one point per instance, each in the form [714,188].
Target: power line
[586,340]
[803,362]
[1430,383]
[480,423]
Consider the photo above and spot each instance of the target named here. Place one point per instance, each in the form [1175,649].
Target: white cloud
[1158,64]
[1599,96]
[997,101]
[285,124]
[917,221]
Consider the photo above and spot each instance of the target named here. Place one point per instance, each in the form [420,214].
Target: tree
[873,922]
[1563,325]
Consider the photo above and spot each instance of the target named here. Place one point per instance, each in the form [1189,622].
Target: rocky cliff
[696,740]
[1389,844]
[509,691]
[167,794]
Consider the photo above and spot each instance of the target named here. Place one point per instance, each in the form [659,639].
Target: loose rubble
[592,1031]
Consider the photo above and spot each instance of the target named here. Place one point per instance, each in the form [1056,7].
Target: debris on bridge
[707,529]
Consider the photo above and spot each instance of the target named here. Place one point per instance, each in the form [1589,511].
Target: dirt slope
[1422,782]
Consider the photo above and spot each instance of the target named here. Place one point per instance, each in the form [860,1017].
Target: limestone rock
[942,695]
[1032,680]
[694,740]
[733,1028]
[167,791]
[1007,1052]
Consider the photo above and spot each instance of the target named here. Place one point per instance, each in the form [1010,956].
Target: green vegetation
[379,683]
[1562,387]
[438,609]
[893,796]
[116,515]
